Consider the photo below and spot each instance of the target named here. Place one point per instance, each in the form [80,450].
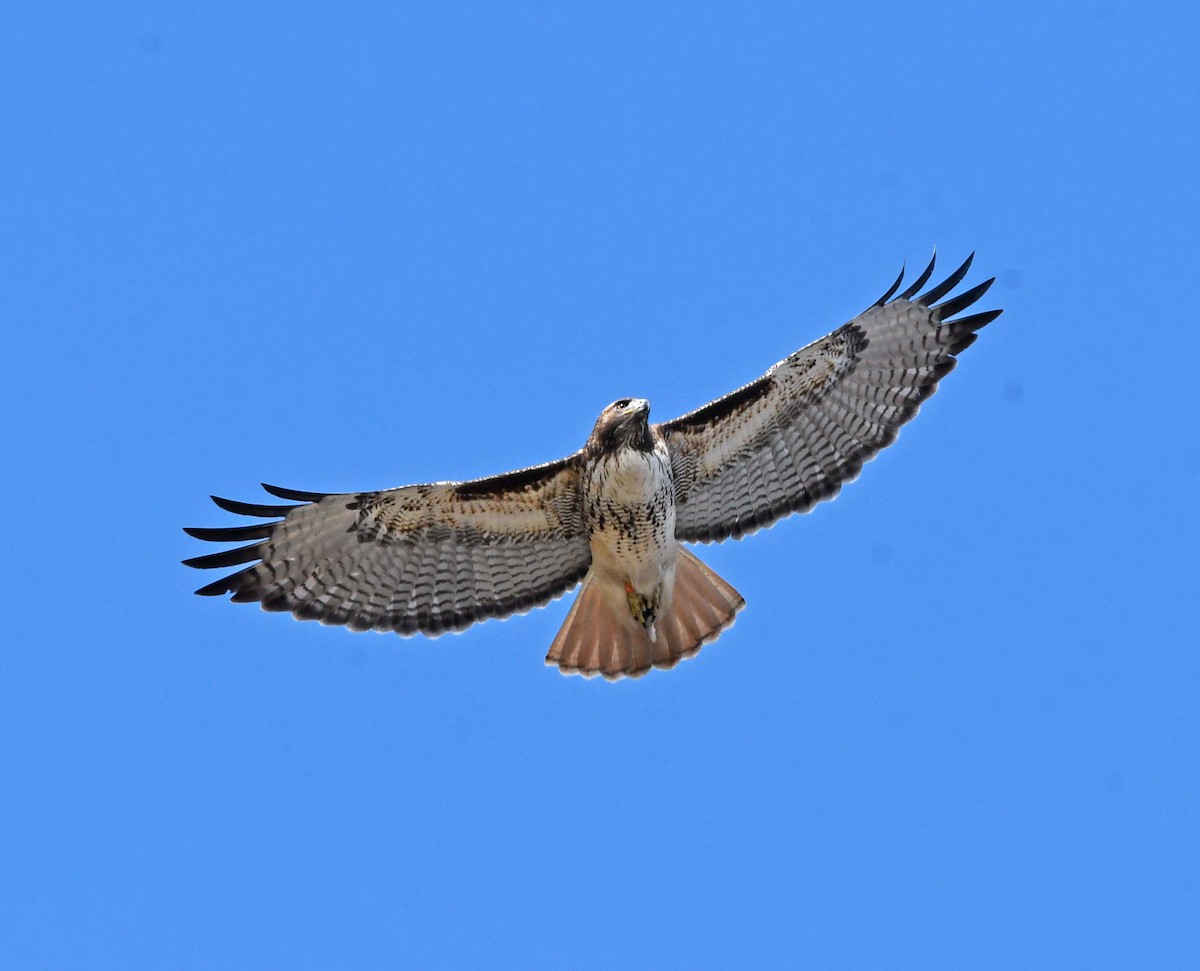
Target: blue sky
[351,248]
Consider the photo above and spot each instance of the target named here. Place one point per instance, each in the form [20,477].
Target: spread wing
[428,558]
[785,442]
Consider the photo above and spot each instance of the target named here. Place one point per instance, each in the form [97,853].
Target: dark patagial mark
[721,408]
[521,479]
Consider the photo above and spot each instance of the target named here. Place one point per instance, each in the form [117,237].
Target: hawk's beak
[640,406]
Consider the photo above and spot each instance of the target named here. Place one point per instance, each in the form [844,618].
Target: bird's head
[624,424]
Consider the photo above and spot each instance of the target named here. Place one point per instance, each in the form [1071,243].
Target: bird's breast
[629,512]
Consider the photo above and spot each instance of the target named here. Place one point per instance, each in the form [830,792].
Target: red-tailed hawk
[438,557]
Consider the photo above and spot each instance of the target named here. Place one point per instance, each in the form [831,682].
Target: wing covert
[791,438]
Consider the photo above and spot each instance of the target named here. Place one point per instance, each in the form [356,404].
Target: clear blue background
[355,247]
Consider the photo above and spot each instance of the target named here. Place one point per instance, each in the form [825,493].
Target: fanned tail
[601,637]
[702,606]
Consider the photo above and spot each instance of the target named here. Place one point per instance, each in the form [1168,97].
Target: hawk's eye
[622,404]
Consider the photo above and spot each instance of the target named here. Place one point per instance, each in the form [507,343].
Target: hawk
[614,515]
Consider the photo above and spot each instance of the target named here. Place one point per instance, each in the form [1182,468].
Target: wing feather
[793,437]
[427,558]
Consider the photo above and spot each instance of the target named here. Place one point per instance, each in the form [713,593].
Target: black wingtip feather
[295,494]
[939,371]
[962,343]
[893,288]
[251,508]
[976,321]
[948,284]
[230,534]
[920,281]
[963,300]
[239,584]
[215,589]
[243,554]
